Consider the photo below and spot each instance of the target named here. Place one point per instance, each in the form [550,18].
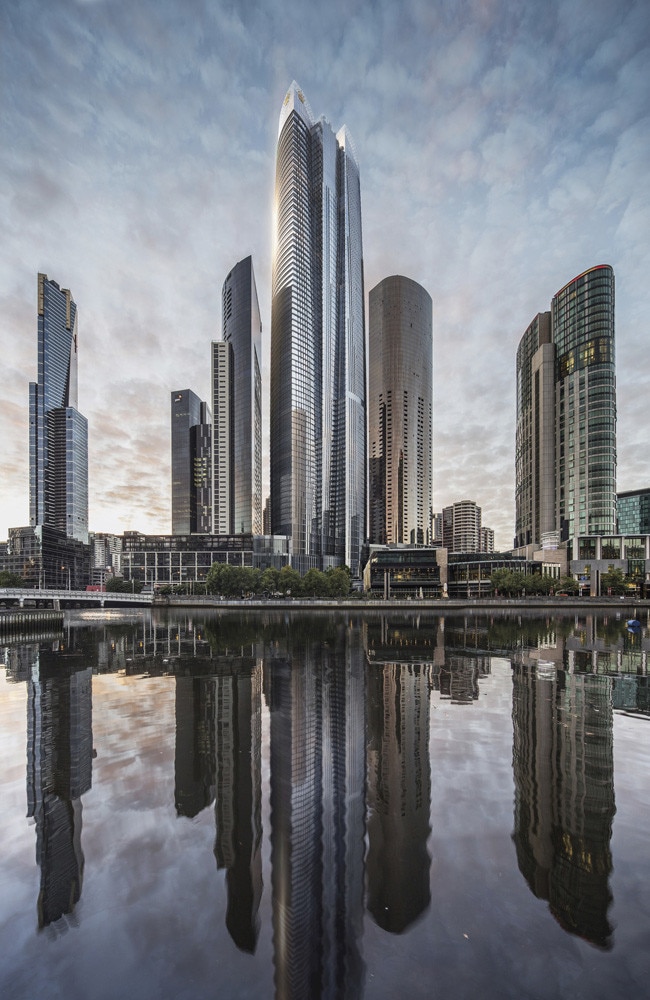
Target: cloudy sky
[504,147]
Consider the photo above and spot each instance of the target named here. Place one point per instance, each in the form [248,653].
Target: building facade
[400,401]
[318,405]
[461,527]
[633,512]
[565,464]
[242,330]
[58,433]
[191,445]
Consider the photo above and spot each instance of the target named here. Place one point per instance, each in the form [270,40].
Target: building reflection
[59,772]
[399,793]
[238,843]
[316,694]
[564,793]
[218,759]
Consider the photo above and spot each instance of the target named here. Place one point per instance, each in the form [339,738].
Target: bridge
[11,597]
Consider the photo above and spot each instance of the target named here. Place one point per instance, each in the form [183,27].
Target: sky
[504,148]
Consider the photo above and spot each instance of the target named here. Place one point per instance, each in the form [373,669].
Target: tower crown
[295,100]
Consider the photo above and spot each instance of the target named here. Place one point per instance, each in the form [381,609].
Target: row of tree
[514,583]
[242,581]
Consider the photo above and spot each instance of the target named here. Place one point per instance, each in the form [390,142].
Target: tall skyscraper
[58,433]
[241,435]
[566,415]
[400,392]
[191,435]
[318,404]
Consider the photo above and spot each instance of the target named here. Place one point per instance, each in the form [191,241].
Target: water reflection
[59,772]
[563,766]
[348,705]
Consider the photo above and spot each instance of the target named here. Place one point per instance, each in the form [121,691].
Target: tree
[269,581]
[315,584]
[8,579]
[290,581]
[613,581]
[116,585]
[338,581]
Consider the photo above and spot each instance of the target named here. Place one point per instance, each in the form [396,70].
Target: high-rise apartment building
[461,527]
[58,433]
[566,415]
[191,440]
[241,420]
[318,404]
[400,400]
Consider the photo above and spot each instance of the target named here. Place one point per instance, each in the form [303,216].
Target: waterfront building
[47,558]
[400,400]
[461,527]
[170,560]
[633,512]
[318,402]
[58,433]
[565,464]
[191,447]
[239,422]
[223,480]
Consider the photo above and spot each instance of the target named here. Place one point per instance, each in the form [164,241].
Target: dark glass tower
[318,404]
[58,433]
[242,329]
[191,464]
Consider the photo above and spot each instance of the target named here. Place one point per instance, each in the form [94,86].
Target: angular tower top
[346,142]
[295,100]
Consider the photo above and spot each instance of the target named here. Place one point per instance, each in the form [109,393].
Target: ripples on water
[305,806]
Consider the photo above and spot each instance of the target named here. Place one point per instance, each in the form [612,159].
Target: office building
[461,527]
[565,462]
[318,406]
[237,408]
[400,400]
[58,433]
[191,436]
[633,512]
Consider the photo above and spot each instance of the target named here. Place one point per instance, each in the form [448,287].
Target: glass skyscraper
[242,331]
[58,433]
[400,420]
[318,404]
[566,414]
[191,434]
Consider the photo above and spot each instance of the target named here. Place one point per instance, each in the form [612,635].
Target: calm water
[278,806]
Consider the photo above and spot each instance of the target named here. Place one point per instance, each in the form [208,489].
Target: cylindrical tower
[400,420]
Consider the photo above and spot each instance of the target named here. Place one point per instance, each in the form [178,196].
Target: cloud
[503,149]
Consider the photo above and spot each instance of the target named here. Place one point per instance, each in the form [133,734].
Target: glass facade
[58,433]
[400,345]
[191,470]
[585,398]
[565,461]
[317,341]
[242,329]
[633,512]
[535,434]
